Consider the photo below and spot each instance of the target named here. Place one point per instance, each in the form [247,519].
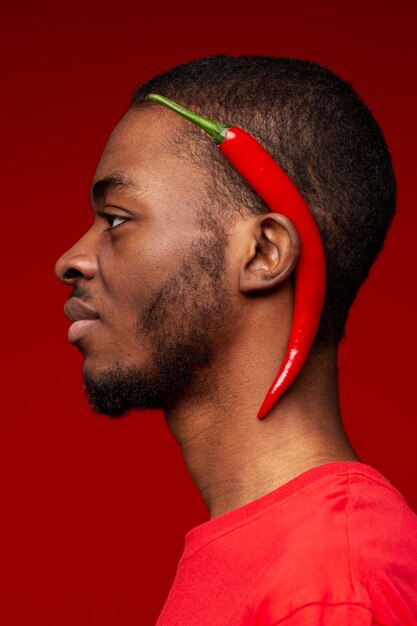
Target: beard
[182,320]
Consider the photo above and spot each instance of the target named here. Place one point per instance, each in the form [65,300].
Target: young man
[182,299]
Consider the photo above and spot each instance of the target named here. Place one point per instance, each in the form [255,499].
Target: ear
[272,253]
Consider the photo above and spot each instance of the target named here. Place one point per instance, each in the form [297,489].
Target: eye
[112,220]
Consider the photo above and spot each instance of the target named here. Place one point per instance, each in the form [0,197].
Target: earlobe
[272,253]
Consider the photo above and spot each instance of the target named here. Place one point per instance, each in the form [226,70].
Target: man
[183,299]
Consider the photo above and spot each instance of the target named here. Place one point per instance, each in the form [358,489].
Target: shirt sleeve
[319,614]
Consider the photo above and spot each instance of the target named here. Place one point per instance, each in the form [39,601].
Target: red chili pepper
[280,194]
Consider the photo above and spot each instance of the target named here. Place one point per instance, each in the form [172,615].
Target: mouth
[83,317]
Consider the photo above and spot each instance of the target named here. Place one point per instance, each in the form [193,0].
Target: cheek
[136,264]
[128,286]
[127,296]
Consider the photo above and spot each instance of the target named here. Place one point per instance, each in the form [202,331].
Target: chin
[97,367]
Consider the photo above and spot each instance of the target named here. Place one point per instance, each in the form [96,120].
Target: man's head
[166,280]
[321,134]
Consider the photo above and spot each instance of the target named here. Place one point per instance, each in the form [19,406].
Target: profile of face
[149,273]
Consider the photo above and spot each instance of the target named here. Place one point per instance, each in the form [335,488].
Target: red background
[94,512]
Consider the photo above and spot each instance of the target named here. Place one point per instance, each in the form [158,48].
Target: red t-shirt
[335,546]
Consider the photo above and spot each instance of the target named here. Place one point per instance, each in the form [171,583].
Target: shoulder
[356,510]
[349,549]
[361,528]
[381,528]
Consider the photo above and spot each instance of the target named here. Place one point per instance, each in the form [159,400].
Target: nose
[78,262]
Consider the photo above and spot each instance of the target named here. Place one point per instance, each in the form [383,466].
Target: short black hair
[322,135]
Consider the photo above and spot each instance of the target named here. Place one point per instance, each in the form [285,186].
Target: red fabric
[336,545]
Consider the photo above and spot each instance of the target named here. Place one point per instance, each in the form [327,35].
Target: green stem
[215,130]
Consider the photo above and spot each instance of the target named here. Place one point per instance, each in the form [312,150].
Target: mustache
[81,292]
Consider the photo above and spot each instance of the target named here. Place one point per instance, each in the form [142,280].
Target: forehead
[146,146]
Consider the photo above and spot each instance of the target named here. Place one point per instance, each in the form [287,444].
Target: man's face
[154,275]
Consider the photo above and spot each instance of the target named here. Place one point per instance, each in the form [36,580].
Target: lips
[82,317]
[76,310]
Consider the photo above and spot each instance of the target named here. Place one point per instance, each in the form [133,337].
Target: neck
[234,458]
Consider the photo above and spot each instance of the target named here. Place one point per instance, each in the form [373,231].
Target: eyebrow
[113,181]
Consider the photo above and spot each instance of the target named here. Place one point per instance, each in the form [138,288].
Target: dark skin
[219,299]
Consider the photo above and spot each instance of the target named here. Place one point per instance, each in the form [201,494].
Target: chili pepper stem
[214,129]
